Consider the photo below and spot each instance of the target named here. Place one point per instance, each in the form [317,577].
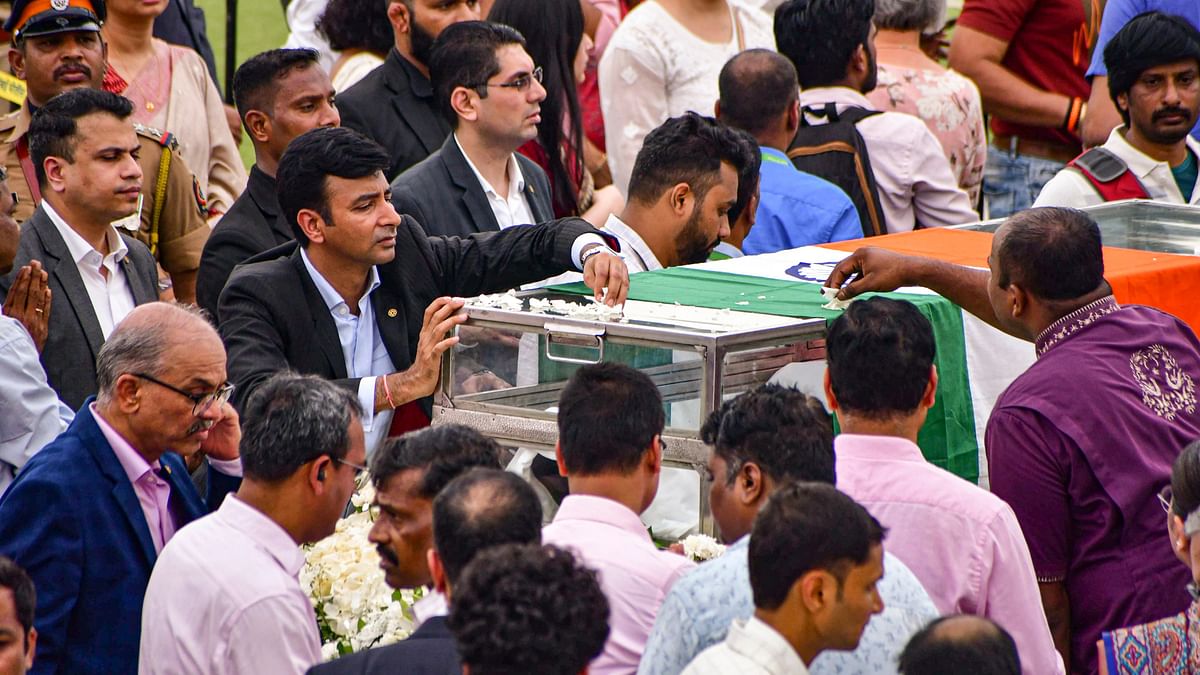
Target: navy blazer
[444,195]
[430,650]
[73,521]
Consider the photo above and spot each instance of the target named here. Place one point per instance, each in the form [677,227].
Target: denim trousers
[1012,182]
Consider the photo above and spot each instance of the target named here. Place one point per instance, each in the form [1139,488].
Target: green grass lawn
[260,26]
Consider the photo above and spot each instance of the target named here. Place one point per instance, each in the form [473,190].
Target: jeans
[1011,182]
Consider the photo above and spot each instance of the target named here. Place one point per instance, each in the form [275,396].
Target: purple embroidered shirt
[1080,444]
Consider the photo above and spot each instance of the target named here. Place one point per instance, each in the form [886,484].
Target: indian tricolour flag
[975,361]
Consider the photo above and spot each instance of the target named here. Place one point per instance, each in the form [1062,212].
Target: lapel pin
[392,313]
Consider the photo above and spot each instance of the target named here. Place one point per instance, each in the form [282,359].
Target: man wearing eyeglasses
[90,513]
[490,90]
[224,596]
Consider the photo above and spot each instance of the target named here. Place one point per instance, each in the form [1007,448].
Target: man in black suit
[280,94]
[84,151]
[488,86]
[394,105]
[364,298]
[478,510]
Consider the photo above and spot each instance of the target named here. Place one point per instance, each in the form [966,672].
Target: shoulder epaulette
[163,138]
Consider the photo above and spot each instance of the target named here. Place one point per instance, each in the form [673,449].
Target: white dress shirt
[225,597]
[512,208]
[31,415]
[634,251]
[365,354]
[1069,187]
[912,174]
[111,296]
[751,648]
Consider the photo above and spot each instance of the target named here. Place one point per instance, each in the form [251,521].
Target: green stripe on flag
[948,437]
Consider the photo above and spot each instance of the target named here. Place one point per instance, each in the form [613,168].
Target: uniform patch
[201,202]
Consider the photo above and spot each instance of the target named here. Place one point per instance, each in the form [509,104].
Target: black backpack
[836,152]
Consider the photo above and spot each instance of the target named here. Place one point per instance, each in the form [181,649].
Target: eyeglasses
[521,83]
[357,467]
[1164,498]
[200,402]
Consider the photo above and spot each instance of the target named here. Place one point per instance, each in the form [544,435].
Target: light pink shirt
[634,574]
[916,185]
[963,543]
[225,597]
[153,493]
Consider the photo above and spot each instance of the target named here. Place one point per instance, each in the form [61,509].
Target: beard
[422,41]
[693,246]
[1156,134]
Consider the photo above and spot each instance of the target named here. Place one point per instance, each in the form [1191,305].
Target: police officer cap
[31,18]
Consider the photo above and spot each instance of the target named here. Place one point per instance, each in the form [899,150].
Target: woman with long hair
[555,38]
[172,91]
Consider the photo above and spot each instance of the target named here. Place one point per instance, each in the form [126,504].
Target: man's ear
[930,395]
[1018,298]
[817,590]
[717,109]
[437,571]
[558,458]
[654,455]
[679,197]
[830,397]
[1121,101]
[751,483]
[312,225]
[56,168]
[16,62]
[399,16]
[465,103]
[319,473]
[127,393]
[258,125]
[30,648]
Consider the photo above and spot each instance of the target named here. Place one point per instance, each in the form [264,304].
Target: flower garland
[355,608]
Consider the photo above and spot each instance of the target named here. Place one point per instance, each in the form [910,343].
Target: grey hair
[290,420]
[927,16]
[141,346]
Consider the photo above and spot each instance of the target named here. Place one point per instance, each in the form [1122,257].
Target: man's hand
[421,378]
[606,270]
[225,436]
[28,301]
[872,269]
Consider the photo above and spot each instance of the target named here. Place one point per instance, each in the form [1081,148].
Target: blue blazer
[73,521]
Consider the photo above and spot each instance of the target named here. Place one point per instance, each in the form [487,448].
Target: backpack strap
[1109,174]
[852,114]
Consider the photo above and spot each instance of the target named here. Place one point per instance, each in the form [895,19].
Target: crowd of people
[200,364]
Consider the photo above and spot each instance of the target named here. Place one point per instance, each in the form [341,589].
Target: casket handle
[588,337]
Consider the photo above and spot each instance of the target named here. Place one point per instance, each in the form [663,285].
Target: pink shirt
[963,543]
[153,493]
[634,574]
[225,597]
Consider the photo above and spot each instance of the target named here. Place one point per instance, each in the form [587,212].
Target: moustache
[387,554]
[72,68]
[1174,110]
[200,425]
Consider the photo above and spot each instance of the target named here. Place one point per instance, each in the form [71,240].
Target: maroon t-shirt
[1049,46]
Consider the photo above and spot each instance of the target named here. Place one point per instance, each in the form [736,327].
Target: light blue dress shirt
[701,606]
[797,209]
[362,348]
[31,414]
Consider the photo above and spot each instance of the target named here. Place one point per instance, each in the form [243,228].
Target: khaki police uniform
[173,210]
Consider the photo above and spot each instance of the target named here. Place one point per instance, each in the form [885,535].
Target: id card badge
[132,222]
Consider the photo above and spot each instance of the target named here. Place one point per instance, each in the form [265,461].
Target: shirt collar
[754,640]
[332,298]
[617,227]
[1068,325]
[838,95]
[516,179]
[134,464]
[601,510]
[264,531]
[262,189]
[863,446]
[773,156]
[1138,162]
[78,247]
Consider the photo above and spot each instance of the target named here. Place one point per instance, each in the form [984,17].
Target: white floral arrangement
[355,608]
[701,547]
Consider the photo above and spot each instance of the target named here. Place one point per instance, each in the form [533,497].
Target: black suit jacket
[272,317]
[75,337]
[430,650]
[252,225]
[394,105]
[444,195]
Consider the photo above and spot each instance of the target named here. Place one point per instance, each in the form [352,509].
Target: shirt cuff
[229,467]
[584,240]
[366,399]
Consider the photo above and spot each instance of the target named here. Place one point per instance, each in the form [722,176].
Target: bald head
[146,338]
[481,509]
[758,86]
[1053,253]
[960,644]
